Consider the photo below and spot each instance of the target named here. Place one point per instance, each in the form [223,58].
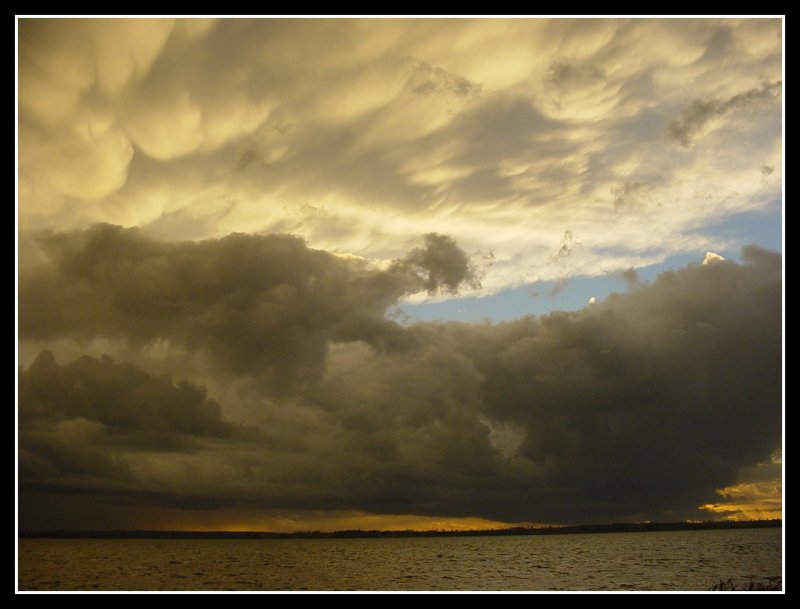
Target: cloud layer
[639,406]
[360,135]
[267,305]
[218,219]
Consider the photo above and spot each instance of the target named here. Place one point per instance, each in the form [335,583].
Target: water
[676,560]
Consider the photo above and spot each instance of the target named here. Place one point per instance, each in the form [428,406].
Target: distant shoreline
[643,527]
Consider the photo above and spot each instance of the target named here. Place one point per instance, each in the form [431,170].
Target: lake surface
[675,560]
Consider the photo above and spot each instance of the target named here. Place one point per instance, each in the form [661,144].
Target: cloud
[749,501]
[630,194]
[631,278]
[498,132]
[557,288]
[440,264]
[758,495]
[122,398]
[711,258]
[700,112]
[91,420]
[567,246]
[425,79]
[281,173]
[563,73]
[58,64]
[86,164]
[580,91]
[639,406]
[263,304]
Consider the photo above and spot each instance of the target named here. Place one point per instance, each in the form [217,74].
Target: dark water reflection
[676,560]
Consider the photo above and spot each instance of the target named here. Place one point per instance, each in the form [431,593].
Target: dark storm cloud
[441,264]
[121,397]
[700,112]
[639,406]
[636,407]
[651,396]
[631,278]
[264,305]
[76,421]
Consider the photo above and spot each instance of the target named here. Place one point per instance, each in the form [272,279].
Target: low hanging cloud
[120,396]
[77,416]
[87,427]
[265,305]
[640,406]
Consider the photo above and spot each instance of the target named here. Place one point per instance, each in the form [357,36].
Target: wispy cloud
[700,113]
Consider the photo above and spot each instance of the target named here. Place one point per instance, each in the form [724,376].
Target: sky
[283,274]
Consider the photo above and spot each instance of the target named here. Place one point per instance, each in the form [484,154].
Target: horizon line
[619,527]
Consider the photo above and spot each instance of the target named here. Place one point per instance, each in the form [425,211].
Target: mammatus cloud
[639,406]
[426,79]
[501,132]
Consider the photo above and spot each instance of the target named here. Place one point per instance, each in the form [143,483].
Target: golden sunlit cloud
[502,132]
[749,501]
[711,258]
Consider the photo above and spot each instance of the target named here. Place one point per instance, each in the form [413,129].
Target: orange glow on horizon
[234,521]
